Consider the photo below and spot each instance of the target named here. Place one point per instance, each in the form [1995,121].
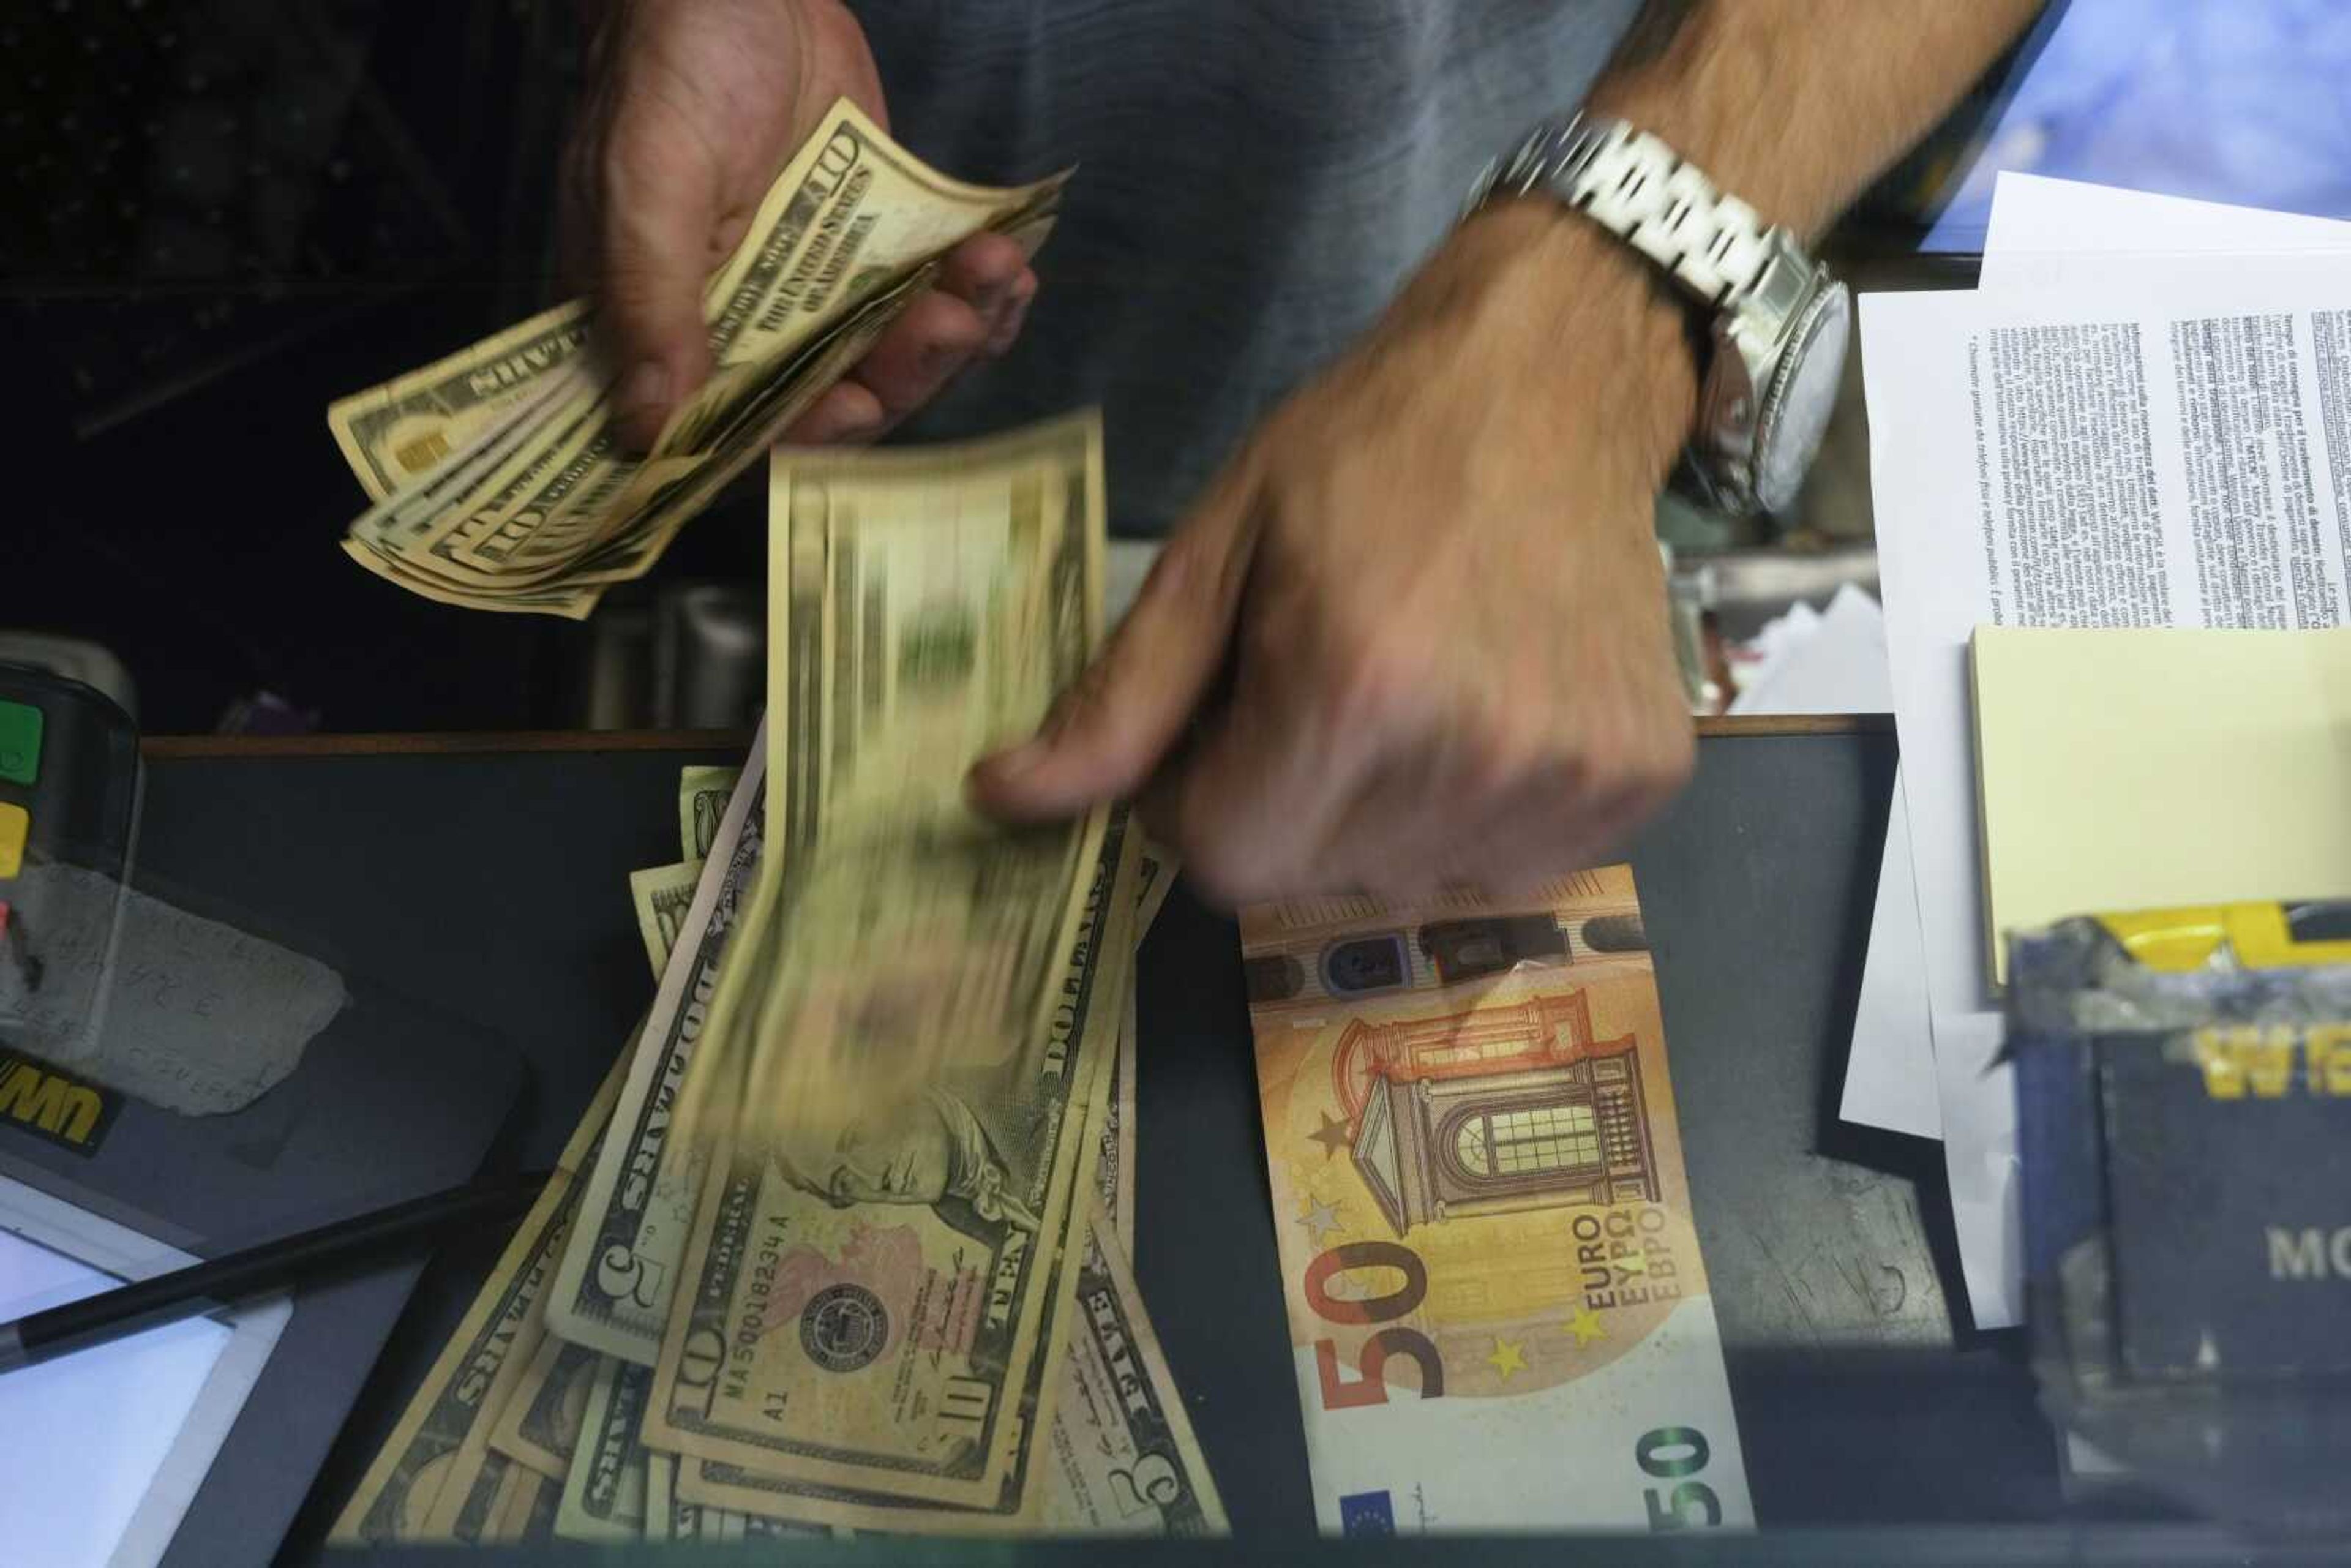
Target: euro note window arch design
[1497,1148]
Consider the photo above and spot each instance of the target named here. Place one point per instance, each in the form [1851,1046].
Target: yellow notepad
[2132,770]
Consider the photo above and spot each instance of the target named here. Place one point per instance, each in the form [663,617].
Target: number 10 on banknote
[1498,1310]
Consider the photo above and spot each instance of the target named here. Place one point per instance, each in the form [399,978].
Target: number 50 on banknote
[1498,1311]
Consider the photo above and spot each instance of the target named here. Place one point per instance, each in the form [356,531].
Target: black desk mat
[1861,1400]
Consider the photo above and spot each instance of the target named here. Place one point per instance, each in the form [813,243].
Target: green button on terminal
[20,742]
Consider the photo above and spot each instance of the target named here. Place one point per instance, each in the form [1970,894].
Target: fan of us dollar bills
[907,1306]
[495,478]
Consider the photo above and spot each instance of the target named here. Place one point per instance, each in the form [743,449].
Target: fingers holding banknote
[1415,635]
[696,105]
[975,312]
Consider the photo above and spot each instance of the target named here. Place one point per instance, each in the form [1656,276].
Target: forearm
[1791,105]
[1795,105]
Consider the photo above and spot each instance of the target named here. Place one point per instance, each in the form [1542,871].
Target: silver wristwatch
[1780,322]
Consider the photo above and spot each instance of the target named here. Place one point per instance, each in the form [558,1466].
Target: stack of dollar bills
[841,1244]
[497,479]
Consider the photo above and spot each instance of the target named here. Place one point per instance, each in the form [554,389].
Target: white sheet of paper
[1837,665]
[103,1450]
[82,1437]
[1767,652]
[1998,530]
[1889,1081]
[2040,225]
[1889,1075]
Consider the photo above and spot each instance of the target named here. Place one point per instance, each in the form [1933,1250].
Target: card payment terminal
[69,787]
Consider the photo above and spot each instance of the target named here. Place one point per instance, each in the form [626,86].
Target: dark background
[219,216]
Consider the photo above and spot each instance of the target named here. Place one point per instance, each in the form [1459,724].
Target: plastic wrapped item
[2184,1108]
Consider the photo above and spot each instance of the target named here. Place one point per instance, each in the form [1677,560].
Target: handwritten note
[184,1012]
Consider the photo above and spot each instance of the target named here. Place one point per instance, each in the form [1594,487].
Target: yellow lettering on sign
[2245,1056]
[53,1104]
[2327,1049]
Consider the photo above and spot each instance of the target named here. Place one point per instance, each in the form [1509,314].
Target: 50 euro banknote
[1498,1307]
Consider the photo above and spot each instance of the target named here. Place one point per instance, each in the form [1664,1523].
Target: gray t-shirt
[1256,180]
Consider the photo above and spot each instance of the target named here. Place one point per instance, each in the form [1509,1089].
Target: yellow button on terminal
[15,827]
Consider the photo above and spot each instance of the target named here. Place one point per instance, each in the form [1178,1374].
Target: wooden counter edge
[181,748]
[1768,723]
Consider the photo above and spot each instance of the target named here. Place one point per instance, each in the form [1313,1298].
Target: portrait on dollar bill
[931,1148]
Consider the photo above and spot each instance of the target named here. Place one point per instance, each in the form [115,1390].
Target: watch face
[1802,396]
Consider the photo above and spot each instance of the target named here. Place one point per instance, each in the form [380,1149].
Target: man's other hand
[1416,634]
[697,105]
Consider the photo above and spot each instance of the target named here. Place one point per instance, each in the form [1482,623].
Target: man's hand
[698,104]
[1416,633]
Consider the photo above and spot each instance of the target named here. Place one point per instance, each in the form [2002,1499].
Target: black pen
[224,1283]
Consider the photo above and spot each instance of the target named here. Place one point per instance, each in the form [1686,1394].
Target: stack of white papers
[1834,662]
[2142,417]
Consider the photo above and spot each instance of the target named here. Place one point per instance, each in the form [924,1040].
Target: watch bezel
[1793,351]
